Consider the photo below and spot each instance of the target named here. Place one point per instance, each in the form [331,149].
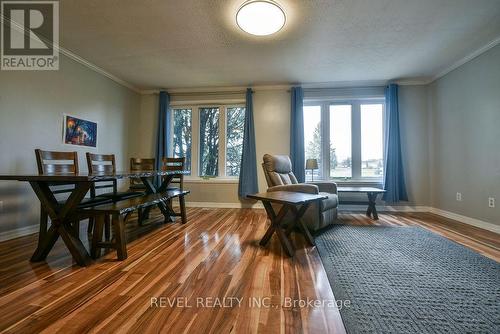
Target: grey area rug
[409,280]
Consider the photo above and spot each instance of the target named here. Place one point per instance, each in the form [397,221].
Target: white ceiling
[196,43]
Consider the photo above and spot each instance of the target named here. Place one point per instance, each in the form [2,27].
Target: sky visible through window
[341,150]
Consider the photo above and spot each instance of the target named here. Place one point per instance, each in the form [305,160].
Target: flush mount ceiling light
[260,18]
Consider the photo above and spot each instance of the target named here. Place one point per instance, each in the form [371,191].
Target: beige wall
[465,126]
[272,135]
[415,143]
[272,132]
[449,133]
[32,104]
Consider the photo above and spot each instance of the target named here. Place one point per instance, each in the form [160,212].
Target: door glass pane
[372,148]
[209,141]
[182,135]
[234,138]
[312,138]
[340,141]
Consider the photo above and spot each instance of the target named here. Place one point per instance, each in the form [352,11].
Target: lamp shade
[311,164]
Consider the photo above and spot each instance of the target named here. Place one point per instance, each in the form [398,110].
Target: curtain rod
[234,92]
[195,93]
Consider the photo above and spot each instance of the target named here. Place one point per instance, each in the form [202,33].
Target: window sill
[215,180]
[341,182]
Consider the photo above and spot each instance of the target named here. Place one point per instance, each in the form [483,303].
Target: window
[346,137]
[210,137]
[312,137]
[209,141]
[372,146]
[234,148]
[182,135]
[340,141]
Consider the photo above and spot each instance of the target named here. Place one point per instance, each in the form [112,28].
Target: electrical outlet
[491,202]
[459,197]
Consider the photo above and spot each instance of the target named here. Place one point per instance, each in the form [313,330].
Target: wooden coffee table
[290,201]
[372,194]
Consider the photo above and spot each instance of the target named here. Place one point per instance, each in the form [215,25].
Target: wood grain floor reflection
[215,257]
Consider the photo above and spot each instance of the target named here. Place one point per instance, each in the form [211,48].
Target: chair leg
[95,250]
[182,203]
[90,226]
[107,228]
[120,240]
[140,216]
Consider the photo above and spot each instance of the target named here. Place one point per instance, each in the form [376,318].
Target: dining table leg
[61,217]
[152,189]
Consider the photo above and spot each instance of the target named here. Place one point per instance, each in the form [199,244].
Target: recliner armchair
[279,177]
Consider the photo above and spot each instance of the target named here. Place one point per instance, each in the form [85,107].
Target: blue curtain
[394,181]
[248,169]
[163,130]
[297,153]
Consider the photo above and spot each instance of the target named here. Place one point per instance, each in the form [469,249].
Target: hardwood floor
[215,255]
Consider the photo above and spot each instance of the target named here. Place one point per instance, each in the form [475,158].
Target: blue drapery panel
[163,130]
[297,153]
[248,168]
[394,181]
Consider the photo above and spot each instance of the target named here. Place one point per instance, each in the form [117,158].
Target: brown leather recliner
[279,177]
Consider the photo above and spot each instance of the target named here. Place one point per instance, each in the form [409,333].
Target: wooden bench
[119,212]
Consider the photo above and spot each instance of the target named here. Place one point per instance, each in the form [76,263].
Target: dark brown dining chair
[105,164]
[137,165]
[176,164]
[50,162]
[136,184]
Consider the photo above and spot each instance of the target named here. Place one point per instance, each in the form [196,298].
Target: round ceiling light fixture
[260,17]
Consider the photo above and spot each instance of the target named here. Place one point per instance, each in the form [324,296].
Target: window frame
[195,138]
[355,103]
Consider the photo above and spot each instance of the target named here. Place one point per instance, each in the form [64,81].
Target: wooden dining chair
[50,162]
[106,164]
[136,184]
[140,164]
[176,164]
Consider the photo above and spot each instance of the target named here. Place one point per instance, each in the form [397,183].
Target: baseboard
[18,232]
[386,208]
[23,231]
[224,205]
[467,220]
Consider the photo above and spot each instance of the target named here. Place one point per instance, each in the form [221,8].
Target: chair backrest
[50,162]
[175,164]
[101,164]
[278,170]
[139,164]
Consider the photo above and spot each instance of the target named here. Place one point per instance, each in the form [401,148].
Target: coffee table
[295,202]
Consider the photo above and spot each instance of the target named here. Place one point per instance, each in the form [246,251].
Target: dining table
[62,214]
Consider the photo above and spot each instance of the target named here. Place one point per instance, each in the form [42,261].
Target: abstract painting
[80,132]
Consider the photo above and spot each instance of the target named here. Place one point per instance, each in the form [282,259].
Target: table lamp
[312,164]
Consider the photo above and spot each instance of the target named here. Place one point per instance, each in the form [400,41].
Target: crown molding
[466,59]
[333,84]
[73,56]
[217,89]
